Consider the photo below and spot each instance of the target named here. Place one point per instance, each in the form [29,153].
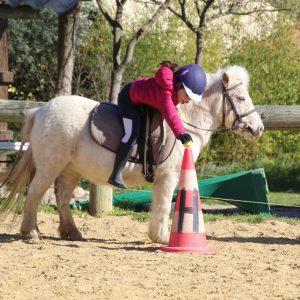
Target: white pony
[61,151]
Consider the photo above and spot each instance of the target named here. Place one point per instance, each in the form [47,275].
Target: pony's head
[238,111]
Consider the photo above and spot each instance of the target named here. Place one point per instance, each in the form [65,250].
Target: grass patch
[239,218]
[49,209]
[139,216]
[284,198]
[212,201]
[248,218]
[278,198]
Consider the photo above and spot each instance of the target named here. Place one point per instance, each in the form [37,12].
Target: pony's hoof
[76,237]
[165,240]
[33,235]
[71,236]
[159,239]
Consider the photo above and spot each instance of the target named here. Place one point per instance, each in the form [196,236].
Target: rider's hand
[185,139]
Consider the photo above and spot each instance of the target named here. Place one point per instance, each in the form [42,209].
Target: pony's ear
[225,79]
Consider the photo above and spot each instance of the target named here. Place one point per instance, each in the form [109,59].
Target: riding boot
[122,155]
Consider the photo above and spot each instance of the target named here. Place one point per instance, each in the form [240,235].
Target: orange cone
[188,233]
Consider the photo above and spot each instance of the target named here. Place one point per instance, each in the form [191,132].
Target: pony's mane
[232,71]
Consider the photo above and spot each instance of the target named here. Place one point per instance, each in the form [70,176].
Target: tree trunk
[66,50]
[116,82]
[199,47]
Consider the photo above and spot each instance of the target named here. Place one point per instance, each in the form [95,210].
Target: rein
[238,118]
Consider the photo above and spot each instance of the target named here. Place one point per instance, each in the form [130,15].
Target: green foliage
[32,56]
[33,59]
[213,56]
[163,44]
[92,71]
[282,169]
[283,173]
[84,183]
[273,64]
[160,44]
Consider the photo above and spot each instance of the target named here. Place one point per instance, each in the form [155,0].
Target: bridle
[226,97]
[238,116]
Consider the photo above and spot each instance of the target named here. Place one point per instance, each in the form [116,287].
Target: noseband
[238,116]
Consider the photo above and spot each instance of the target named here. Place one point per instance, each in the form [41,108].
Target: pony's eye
[241,98]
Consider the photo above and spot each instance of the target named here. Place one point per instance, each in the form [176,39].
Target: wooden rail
[274,117]
[14,111]
[280,117]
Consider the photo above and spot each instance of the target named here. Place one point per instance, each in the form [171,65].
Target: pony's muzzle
[256,131]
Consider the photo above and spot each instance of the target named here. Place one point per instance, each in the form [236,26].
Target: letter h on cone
[188,232]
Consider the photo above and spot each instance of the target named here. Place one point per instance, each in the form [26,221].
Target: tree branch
[105,13]
[182,16]
[130,48]
[233,9]
[202,15]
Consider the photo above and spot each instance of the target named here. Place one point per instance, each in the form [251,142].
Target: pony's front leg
[163,189]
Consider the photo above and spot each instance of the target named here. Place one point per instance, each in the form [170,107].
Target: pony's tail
[15,181]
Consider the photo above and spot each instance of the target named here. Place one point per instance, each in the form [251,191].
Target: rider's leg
[122,156]
[131,116]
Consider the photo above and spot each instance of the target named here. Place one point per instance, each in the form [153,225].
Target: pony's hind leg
[38,186]
[64,186]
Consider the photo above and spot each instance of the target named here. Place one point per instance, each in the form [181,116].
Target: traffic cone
[188,233]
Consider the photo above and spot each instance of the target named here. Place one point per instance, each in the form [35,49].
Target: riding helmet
[193,79]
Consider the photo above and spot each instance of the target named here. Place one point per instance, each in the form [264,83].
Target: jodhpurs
[131,116]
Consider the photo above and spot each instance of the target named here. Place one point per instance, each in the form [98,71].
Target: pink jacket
[160,93]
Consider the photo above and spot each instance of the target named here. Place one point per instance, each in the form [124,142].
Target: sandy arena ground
[117,261]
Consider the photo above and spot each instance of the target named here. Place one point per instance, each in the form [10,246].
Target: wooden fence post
[5,78]
[100,199]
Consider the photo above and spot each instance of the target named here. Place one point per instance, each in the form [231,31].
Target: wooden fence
[274,117]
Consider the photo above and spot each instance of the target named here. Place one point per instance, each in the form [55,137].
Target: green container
[247,190]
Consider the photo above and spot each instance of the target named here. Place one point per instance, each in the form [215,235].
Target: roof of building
[59,6]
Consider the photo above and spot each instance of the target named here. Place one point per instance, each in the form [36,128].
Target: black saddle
[154,144]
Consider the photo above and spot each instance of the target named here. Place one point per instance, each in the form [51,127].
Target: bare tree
[120,62]
[210,10]
[66,48]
